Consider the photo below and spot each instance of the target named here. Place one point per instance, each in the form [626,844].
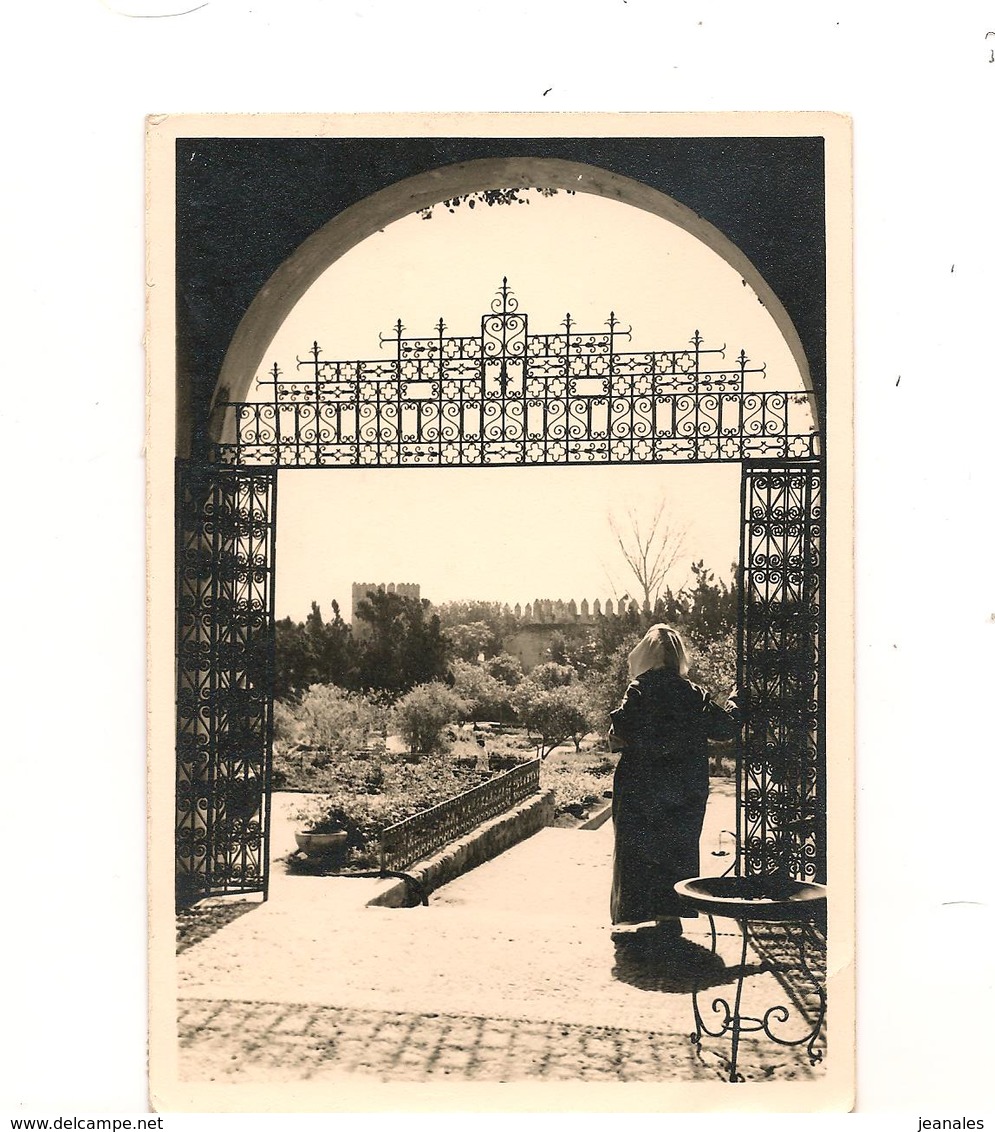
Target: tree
[333,718]
[296,664]
[554,714]
[649,550]
[484,696]
[672,608]
[313,652]
[713,664]
[606,686]
[713,605]
[506,668]
[578,652]
[405,645]
[552,675]
[469,641]
[499,621]
[422,715]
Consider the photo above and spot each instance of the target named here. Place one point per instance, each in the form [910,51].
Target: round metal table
[757,899]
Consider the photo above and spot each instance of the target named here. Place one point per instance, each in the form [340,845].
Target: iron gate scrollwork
[225,640]
[505,396]
[781,791]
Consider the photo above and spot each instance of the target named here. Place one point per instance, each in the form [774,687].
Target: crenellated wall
[538,622]
[545,611]
[544,619]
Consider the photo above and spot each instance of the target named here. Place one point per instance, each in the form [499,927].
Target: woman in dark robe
[662,728]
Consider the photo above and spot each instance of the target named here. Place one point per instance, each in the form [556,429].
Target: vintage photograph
[501,615]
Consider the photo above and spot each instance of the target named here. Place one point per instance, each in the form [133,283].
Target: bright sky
[511,534]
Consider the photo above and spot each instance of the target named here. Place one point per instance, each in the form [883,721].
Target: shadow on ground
[195,924]
[670,966]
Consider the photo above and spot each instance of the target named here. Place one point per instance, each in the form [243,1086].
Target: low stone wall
[483,843]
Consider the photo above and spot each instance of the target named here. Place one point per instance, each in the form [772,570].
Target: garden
[385,777]
[427,704]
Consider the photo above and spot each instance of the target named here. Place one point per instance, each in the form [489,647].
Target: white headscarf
[662,647]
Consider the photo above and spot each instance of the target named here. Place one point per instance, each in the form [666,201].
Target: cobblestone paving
[509,974]
[231,1041]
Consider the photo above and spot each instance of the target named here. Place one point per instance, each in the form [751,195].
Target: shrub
[468,641]
[363,817]
[373,782]
[363,813]
[506,668]
[484,696]
[713,664]
[576,789]
[423,714]
[332,718]
[606,688]
[286,725]
[552,675]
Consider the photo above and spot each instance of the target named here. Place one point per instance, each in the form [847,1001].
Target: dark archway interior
[244,205]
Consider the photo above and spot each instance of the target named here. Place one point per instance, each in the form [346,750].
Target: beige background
[79,83]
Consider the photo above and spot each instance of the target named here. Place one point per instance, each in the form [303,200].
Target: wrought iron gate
[505,396]
[224,678]
[781,788]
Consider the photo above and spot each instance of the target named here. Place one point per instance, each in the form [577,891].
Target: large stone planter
[320,844]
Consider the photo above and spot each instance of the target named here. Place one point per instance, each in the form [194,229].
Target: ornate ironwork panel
[508,396]
[225,637]
[781,792]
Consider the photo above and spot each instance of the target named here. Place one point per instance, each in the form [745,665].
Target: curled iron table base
[735,1023]
[793,910]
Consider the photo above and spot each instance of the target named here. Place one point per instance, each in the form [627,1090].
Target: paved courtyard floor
[510,973]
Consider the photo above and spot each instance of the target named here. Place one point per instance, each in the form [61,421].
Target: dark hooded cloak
[661,786]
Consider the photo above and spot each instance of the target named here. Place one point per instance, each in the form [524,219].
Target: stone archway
[284,288]
[225,560]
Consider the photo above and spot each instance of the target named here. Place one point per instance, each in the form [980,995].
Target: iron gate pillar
[781,777]
[225,543]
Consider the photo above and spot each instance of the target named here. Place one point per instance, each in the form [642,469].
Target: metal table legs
[734,1022]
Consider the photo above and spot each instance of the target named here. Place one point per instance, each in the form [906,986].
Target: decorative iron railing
[503,397]
[507,397]
[417,836]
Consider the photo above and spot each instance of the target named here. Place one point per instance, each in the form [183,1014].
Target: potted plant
[321,833]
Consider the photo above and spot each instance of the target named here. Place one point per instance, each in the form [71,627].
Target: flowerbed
[363,795]
[378,771]
[581,780]
[367,791]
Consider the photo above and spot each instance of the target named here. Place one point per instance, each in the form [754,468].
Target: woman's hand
[733,700]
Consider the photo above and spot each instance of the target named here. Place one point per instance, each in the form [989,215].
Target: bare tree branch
[649,549]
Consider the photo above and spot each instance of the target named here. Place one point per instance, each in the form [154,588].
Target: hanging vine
[490,197]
